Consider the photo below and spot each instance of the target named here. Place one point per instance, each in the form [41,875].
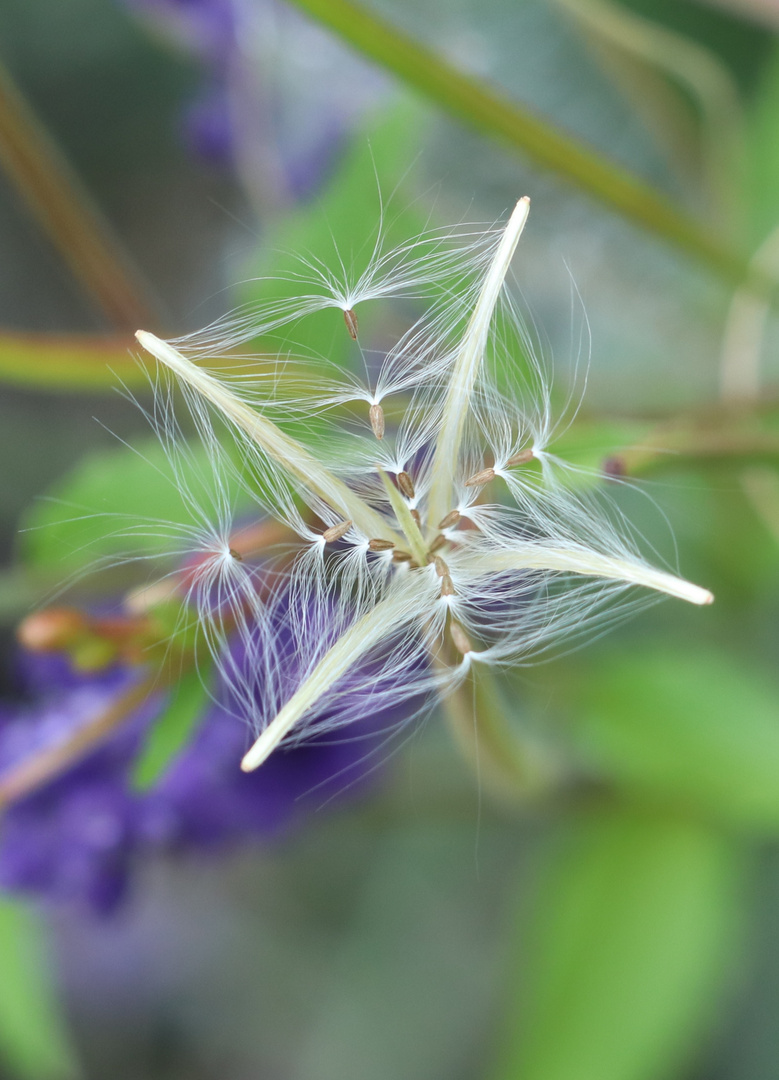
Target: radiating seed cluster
[430,533]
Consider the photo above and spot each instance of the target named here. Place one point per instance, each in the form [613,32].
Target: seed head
[529,558]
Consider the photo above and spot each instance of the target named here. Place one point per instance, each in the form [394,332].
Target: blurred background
[441,921]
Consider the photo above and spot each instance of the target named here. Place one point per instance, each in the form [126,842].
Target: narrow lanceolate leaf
[621,967]
[34,1043]
[491,113]
[582,560]
[288,453]
[408,602]
[188,703]
[467,365]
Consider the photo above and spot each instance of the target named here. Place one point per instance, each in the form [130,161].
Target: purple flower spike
[76,838]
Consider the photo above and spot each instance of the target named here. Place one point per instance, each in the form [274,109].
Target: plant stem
[64,210]
[478,105]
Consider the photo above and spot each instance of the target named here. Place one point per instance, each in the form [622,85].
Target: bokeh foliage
[668,745]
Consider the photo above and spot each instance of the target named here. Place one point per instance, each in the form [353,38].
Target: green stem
[477,104]
[511,762]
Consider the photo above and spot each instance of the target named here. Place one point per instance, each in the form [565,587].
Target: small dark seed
[480,478]
[350,318]
[406,485]
[520,459]
[380,545]
[335,532]
[451,519]
[377,421]
[440,566]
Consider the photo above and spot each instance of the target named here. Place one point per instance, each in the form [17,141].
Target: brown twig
[24,778]
[63,208]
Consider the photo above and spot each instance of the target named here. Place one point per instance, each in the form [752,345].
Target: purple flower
[77,837]
[280,94]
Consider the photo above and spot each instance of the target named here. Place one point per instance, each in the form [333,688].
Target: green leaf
[691,727]
[626,954]
[186,705]
[481,107]
[33,1038]
[342,226]
[87,515]
[763,148]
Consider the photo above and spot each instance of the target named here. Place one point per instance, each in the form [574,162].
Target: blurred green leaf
[763,148]
[87,515]
[478,105]
[627,951]
[33,1038]
[692,727]
[187,704]
[340,228]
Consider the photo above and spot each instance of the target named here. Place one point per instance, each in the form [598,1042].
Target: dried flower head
[433,527]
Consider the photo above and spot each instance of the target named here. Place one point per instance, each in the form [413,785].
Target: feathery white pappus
[459,537]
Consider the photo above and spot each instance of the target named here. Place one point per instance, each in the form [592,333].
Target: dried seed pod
[401,556]
[437,544]
[335,532]
[480,478]
[417,517]
[380,545]
[451,519]
[236,555]
[350,318]
[377,421]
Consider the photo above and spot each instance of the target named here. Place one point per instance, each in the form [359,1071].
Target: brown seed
[417,517]
[236,555]
[480,478]
[406,485]
[377,421]
[447,586]
[335,532]
[350,318]
[460,639]
[451,519]
[521,458]
[401,556]
[440,566]
[380,545]
[437,544]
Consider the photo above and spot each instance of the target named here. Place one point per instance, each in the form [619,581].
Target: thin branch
[32,773]
[475,103]
[64,210]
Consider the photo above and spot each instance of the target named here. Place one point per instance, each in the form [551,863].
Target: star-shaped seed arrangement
[436,531]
